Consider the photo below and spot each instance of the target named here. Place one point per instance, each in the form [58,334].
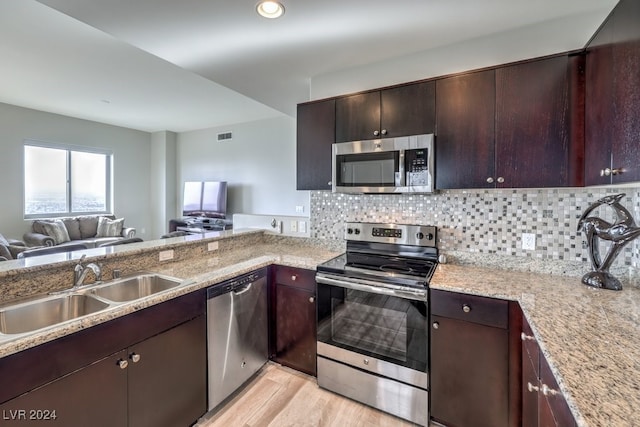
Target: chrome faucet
[80,272]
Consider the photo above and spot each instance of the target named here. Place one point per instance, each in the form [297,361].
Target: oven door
[379,320]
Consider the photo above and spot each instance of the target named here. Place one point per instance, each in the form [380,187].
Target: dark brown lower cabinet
[471,362]
[148,368]
[168,383]
[294,318]
[92,396]
[542,403]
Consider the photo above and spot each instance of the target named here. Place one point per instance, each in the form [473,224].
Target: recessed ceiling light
[270,9]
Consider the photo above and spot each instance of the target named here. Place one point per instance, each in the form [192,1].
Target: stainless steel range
[373,319]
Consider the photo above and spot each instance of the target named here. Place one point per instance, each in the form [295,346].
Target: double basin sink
[53,310]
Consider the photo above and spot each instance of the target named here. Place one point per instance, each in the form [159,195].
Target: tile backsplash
[484,221]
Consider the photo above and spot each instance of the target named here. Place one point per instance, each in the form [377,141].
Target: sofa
[90,230]
[10,248]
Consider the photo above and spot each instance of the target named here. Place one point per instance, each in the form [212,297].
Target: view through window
[62,180]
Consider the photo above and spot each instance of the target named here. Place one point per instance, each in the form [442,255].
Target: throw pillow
[56,230]
[88,226]
[73,228]
[3,241]
[109,228]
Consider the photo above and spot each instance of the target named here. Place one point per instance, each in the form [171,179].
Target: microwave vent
[225,136]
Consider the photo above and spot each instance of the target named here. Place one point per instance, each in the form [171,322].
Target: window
[61,181]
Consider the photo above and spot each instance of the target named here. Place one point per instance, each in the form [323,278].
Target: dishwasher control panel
[236,284]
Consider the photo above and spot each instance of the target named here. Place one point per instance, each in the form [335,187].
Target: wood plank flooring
[281,397]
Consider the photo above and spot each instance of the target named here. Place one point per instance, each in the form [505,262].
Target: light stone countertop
[588,336]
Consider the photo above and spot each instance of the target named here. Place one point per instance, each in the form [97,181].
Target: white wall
[494,49]
[131,162]
[259,164]
[163,182]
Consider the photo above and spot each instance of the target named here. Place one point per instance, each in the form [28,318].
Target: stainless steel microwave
[389,165]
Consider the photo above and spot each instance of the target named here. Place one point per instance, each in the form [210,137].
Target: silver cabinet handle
[525,337]
[490,180]
[123,364]
[384,131]
[608,171]
[311,299]
[436,325]
[366,361]
[293,277]
[532,387]
[547,391]
[500,180]
[135,357]
[329,183]
[466,308]
[376,133]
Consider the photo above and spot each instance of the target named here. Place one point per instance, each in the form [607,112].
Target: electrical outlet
[299,209]
[166,255]
[302,226]
[212,246]
[294,226]
[528,241]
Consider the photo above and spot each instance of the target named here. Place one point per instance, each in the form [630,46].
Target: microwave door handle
[378,288]
[401,170]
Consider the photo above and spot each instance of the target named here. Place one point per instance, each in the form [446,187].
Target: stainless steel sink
[135,287]
[34,315]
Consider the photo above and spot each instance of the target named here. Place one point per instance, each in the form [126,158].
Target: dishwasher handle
[247,288]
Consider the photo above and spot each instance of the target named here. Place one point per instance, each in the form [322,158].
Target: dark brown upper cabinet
[539,123]
[465,110]
[398,111]
[612,141]
[315,134]
[516,126]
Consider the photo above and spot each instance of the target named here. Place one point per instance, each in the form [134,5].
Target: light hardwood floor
[281,397]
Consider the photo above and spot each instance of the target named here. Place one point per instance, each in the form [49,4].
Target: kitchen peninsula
[587,335]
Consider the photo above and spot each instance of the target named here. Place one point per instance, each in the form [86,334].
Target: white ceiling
[191,64]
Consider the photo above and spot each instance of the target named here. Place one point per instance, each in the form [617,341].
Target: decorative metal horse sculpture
[619,234]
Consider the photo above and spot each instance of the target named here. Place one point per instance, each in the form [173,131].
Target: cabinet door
[465,155]
[408,110]
[532,124]
[295,329]
[469,373]
[92,396]
[599,107]
[315,133]
[358,117]
[530,387]
[552,404]
[626,93]
[167,385]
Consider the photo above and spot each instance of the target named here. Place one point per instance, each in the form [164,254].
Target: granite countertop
[589,336]
[197,273]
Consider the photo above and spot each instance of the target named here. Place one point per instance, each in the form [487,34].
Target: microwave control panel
[416,167]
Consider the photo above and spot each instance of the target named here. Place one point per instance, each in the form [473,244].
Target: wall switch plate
[212,246]
[294,226]
[302,226]
[299,209]
[528,241]
[166,255]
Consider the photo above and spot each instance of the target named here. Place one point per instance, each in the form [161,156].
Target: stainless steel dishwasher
[237,333]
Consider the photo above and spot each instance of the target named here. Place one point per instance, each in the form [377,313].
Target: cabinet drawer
[482,310]
[552,398]
[530,347]
[296,277]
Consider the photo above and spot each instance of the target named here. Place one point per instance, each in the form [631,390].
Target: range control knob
[357,231]
[349,230]
[420,236]
[430,236]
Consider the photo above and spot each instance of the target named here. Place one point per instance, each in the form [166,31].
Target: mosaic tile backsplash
[484,221]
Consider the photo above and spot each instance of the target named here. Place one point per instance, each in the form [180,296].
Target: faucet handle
[82,259]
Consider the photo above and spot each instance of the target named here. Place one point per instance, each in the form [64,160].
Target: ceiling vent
[225,136]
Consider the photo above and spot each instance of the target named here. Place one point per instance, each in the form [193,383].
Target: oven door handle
[374,287]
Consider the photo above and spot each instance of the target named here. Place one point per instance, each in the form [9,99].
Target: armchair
[10,248]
